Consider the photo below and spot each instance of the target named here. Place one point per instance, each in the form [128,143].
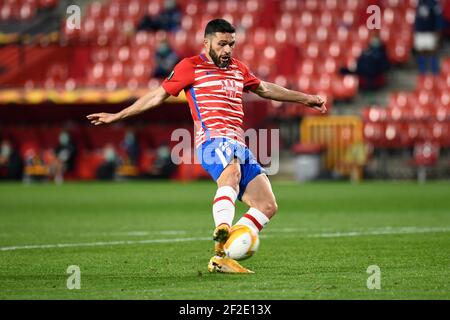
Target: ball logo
[229,86]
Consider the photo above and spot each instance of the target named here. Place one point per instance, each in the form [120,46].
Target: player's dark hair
[218,25]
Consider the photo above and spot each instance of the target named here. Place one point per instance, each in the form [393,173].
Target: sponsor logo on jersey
[229,86]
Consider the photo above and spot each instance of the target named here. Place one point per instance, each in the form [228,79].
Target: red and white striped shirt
[214,95]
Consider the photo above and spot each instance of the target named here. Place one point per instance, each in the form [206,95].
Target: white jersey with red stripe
[214,95]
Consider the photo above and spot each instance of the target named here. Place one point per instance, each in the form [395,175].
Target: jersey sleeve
[181,77]
[251,82]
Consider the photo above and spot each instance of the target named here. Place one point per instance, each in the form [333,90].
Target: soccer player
[214,83]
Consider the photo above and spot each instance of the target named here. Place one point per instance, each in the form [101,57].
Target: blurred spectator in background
[166,59]
[11,166]
[106,171]
[169,19]
[131,147]
[428,27]
[372,65]
[163,166]
[65,154]
[36,169]
[171,16]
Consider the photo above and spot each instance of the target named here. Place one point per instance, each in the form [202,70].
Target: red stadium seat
[395,136]
[123,54]
[248,52]
[417,132]
[89,29]
[96,74]
[329,66]
[327,19]
[305,20]
[445,66]
[345,87]
[399,114]
[142,54]
[374,114]
[141,71]
[281,37]
[374,134]
[322,34]
[260,38]
[342,35]
[47,3]
[9,11]
[286,21]
[143,38]
[96,11]
[325,83]
[444,98]
[301,37]
[423,97]
[427,82]
[311,5]
[398,51]
[307,67]
[100,54]
[153,8]
[356,49]
[441,112]
[440,133]
[334,50]
[399,99]
[27,11]
[422,113]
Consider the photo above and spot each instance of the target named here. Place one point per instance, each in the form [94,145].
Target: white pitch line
[145,233]
[384,231]
[101,243]
[376,232]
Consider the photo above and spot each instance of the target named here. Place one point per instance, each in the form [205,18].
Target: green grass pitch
[150,240]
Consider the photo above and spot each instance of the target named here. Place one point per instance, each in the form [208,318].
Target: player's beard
[216,59]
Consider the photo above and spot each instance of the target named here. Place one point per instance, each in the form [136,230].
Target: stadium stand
[313,38]
[300,44]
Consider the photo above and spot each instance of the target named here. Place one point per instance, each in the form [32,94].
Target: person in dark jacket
[169,19]
[428,26]
[11,164]
[371,66]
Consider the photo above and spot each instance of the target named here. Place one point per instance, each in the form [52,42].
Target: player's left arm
[273,91]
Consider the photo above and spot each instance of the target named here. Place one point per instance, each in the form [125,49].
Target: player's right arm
[148,101]
[180,78]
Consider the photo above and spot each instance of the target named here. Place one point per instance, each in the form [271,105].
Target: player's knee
[270,208]
[232,177]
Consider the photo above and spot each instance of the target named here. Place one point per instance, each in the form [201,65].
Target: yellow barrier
[79,96]
[339,135]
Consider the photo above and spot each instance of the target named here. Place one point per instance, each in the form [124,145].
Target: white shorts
[425,41]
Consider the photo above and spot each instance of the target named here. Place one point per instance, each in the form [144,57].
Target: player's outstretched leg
[259,197]
[223,213]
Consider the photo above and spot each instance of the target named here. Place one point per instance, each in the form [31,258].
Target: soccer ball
[242,243]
